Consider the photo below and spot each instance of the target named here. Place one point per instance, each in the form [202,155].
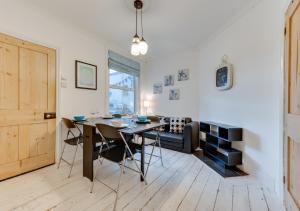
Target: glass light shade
[143,47]
[135,47]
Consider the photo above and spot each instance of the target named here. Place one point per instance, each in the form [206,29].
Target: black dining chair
[72,141]
[153,143]
[118,151]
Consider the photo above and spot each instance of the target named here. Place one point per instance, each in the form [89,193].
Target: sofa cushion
[173,138]
[177,124]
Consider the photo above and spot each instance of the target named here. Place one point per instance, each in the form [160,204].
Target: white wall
[254,44]
[22,20]
[160,104]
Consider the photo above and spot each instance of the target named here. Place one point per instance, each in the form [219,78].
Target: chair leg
[61,156]
[141,173]
[120,177]
[150,159]
[92,185]
[100,151]
[161,158]
[73,161]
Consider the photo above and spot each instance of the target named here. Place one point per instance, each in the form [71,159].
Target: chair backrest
[68,123]
[153,118]
[109,132]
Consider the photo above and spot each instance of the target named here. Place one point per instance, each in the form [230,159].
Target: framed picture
[157,88]
[183,74]
[174,94]
[169,80]
[85,75]
[224,75]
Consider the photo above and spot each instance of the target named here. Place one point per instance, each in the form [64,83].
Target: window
[123,84]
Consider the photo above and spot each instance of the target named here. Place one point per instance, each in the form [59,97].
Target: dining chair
[73,141]
[118,151]
[153,143]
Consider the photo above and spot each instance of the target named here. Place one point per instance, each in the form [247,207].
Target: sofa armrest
[191,137]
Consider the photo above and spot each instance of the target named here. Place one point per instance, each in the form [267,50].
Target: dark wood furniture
[217,141]
[90,139]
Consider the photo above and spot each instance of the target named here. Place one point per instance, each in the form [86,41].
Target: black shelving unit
[217,143]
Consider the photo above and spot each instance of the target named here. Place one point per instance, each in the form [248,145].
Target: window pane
[121,101]
[121,80]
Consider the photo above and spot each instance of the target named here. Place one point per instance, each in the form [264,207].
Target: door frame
[289,6]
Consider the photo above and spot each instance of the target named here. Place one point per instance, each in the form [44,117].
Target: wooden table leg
[143,157]
[88,148]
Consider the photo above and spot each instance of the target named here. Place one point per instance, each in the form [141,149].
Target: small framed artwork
[174,94]
[85,75]
[224,75]
[169,80]
[183,74]
[157,88]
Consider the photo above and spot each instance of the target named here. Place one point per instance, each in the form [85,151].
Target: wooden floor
[184,183]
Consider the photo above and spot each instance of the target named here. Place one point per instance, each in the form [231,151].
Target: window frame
[136,90]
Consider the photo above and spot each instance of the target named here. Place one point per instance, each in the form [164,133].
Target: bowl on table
[79,118]
[142,118]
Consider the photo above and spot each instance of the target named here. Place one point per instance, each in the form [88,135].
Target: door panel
[34,140]
[27,91]
[9,71]
[294,170]
[33,80]
[292,107]
[9,142]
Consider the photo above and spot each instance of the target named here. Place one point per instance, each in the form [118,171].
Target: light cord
[142,23]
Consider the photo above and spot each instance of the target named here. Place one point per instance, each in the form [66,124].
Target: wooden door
[292,107]
[27,92]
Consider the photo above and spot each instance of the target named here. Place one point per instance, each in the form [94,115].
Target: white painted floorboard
[184,183]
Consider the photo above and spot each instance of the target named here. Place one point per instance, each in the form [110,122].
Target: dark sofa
[185,142]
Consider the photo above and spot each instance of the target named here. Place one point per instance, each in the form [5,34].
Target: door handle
[50,115]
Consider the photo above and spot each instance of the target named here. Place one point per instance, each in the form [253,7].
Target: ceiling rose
[130,5]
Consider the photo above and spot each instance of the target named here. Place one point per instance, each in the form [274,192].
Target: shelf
[218,142]
[213,145]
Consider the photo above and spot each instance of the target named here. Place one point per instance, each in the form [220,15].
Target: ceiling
[169,25]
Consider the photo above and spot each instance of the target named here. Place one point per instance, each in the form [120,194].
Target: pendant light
[139,45]
[135,47]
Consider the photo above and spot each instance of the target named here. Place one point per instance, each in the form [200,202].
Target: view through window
[122,92]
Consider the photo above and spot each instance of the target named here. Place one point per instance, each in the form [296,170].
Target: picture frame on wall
[183,74]
[169,80]
[157,88]
[85,75]
[174,94]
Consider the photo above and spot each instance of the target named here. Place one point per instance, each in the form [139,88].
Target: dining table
[129,128]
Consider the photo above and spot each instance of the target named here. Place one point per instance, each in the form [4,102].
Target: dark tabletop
[131,126]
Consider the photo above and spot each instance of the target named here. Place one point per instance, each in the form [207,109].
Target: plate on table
[143,122]
[120,125]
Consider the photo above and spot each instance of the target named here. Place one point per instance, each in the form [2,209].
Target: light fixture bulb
[143,46]
[135,47]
